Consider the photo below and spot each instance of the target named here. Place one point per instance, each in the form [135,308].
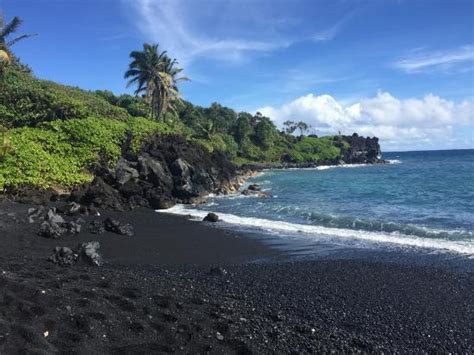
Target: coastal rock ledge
[165,171]
[354,150]
[169,169]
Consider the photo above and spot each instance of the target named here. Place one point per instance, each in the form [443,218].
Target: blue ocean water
[422,200]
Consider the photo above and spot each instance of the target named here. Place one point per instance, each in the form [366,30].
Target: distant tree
[243,127]
[223,117]
[156,77]
[107,95]
[302,127]
[265,131]
[290,126]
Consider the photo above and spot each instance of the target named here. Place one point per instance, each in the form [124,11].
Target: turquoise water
[421,200]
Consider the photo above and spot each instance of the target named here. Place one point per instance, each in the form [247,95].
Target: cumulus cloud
[437,60]
[399,123]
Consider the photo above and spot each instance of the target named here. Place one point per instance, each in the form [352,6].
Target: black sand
[155,294]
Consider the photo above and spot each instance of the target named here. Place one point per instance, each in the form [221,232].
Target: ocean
[421,201]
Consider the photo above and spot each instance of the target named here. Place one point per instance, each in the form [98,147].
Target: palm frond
[18,39]
[11,27]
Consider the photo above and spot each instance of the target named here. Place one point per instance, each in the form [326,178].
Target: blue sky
[402,70]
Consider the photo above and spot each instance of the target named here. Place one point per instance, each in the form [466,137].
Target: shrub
[27,101]
[315,149]
[5,143]
[60,153]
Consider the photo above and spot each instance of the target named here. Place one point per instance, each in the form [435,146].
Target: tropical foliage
[6,31]
[156,77]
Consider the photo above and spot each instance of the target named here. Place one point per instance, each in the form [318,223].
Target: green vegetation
[26,101]
[317,149]
[156,77]
[58,133]
[53,135]
[60,153]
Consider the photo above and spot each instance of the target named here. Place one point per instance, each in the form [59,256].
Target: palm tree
[7,29]
[156,77]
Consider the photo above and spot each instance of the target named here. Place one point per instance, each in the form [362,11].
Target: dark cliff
[166,170]
[362,150]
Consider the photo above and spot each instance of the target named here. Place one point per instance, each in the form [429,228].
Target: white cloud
[226,30]
[437,60]
[331,32]
[169,23]
[400,124]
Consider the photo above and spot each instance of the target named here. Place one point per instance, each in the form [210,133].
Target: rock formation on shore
[362,150]
[169,169]
[357,150]
[165,171]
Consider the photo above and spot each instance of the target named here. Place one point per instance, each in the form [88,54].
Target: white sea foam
[326,233]
[394,161]
[326,167]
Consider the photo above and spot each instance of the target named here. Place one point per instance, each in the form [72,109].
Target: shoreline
[169,290]
[308,165]
[338,237]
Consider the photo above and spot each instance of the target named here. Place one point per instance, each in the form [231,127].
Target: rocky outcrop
[354,150]
[170,169]
[52,225]
[362,150]
[86,252]
[166,170]
[114,226]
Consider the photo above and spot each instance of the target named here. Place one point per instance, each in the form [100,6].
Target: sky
[402,70]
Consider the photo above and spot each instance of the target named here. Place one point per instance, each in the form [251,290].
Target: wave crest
[324,233]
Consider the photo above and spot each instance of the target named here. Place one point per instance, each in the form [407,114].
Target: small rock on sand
[211,217]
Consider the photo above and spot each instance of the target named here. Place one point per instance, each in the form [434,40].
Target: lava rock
[96,227]
[211,217]
[35,214]
[73,227]
[51,230]
[53,217]
[361,150]
[117,227]
[63,256]
[154,171]
[257,193]
[254,187]
[131,189]
[166,170]
[54,226]
[124,172]
[71,209]
[99,194]
[88,252]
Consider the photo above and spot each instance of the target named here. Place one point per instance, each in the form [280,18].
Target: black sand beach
[156,294]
